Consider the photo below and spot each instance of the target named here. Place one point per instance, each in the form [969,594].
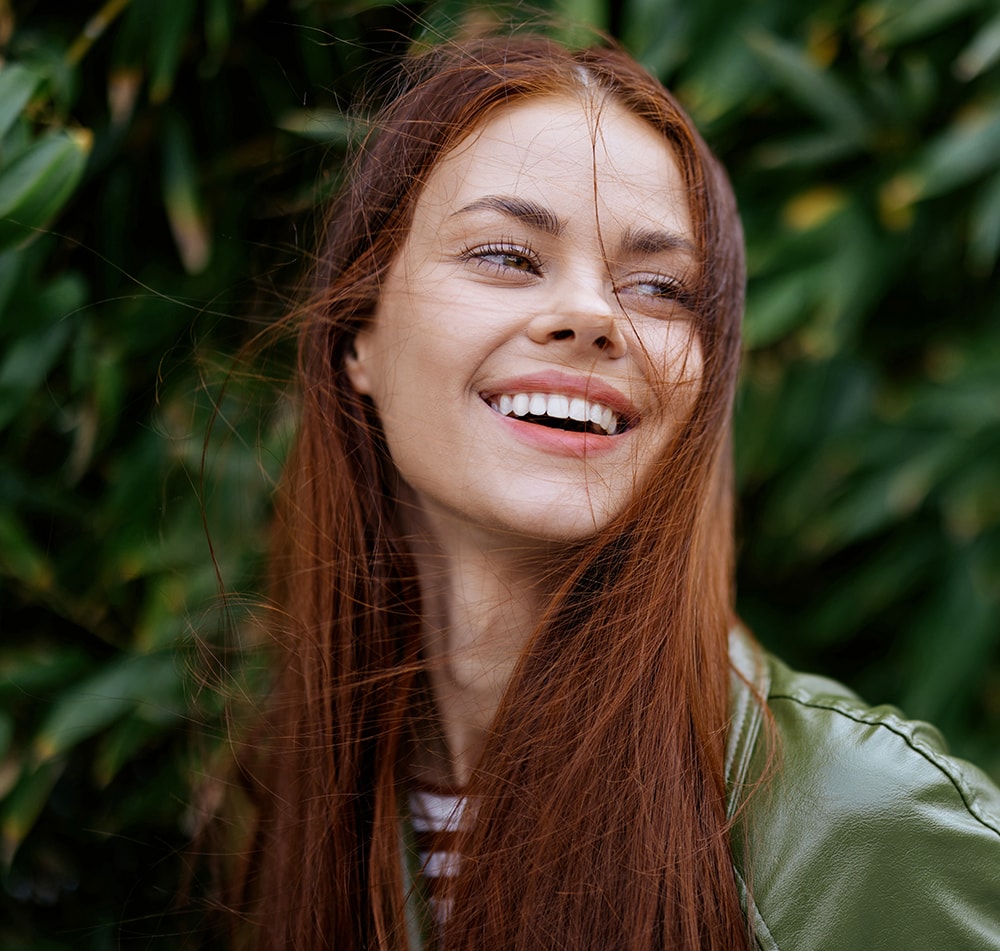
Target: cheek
[677,368]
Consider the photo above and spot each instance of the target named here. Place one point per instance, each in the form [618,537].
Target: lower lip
[558,442]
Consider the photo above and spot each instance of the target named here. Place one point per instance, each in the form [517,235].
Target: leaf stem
[95,27]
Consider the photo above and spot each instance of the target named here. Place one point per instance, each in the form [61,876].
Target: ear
[356,364]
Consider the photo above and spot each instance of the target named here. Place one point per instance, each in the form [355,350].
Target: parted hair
[599,800]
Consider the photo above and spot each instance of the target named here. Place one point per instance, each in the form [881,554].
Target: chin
[555,523]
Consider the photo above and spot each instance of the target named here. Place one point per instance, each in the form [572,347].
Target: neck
[482,599]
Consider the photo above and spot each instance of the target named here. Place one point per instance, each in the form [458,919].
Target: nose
[582,316]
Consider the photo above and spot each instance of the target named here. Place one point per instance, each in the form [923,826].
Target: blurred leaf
[655,32]
[875,495]
[317,125]
[945,656]
[818,90]
[6,734]
[892,574]
[31,670]
[984,240]
[902,21]
[145,683]
[968,149]
[17,84]
[717,81]
[982,53]
[809,150]
[94,29]
[181,196]
[23,805]
[35,186]
[10,273]
[122,742]
[218,28]
[124,85]
[131,51]
[970,502]
[168,29]
[20,557]
[31,357]
[165,616]
[579,18]
[777,305]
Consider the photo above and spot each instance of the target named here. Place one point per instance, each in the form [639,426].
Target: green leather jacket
[858,832]
[853,831]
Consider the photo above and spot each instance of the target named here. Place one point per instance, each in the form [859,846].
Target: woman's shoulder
[853,826]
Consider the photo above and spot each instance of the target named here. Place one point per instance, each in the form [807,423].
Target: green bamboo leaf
[883,495]
[218,27]
[655,32]
[969,406]
[24,804]
[816,89]
[900,21]
[937,677]
[982,53]
[169,28]
[579,18]
[17,85]
[776,306]
[35,186]
[984,227]
[165,614]
[27,363]
[31,669]
[317,125]
[147,681]
[724,76]
[11,262]
[132,38]
[806,151]
[77,717]
[970,503]
[967,150]
[893,574]
[6,734]
[20,557]
[121,745]
[182,198]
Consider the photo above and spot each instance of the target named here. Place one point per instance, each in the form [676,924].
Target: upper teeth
[558,407]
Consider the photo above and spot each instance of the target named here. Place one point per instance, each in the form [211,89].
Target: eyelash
[481,253]
[668,289]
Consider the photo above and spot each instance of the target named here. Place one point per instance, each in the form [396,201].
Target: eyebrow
[521,209]
[640,241]
[643,241]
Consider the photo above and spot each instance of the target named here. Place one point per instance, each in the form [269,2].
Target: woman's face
[531,356]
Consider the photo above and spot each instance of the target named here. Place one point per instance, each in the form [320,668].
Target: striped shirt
[437,820]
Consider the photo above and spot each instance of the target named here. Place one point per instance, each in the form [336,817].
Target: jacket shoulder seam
[950,769]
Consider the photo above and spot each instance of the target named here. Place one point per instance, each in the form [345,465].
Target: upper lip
[552,382]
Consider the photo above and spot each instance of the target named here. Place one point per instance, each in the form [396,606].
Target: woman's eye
[516,261]
[504,260]
[657,288]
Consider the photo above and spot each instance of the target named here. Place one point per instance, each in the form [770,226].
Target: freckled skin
[483,293]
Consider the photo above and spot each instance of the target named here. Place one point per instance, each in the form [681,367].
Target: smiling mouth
[567,413]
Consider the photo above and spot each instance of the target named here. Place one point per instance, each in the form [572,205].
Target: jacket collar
[749,683]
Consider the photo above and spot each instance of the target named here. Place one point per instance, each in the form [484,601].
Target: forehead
[575,154]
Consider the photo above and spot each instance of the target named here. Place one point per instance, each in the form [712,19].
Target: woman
[512,708]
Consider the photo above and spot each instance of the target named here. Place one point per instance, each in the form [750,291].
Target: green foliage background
[158,163]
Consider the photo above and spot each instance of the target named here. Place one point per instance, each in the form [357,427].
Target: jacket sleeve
[863,833]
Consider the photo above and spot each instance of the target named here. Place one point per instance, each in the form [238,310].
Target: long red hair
[599,799]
